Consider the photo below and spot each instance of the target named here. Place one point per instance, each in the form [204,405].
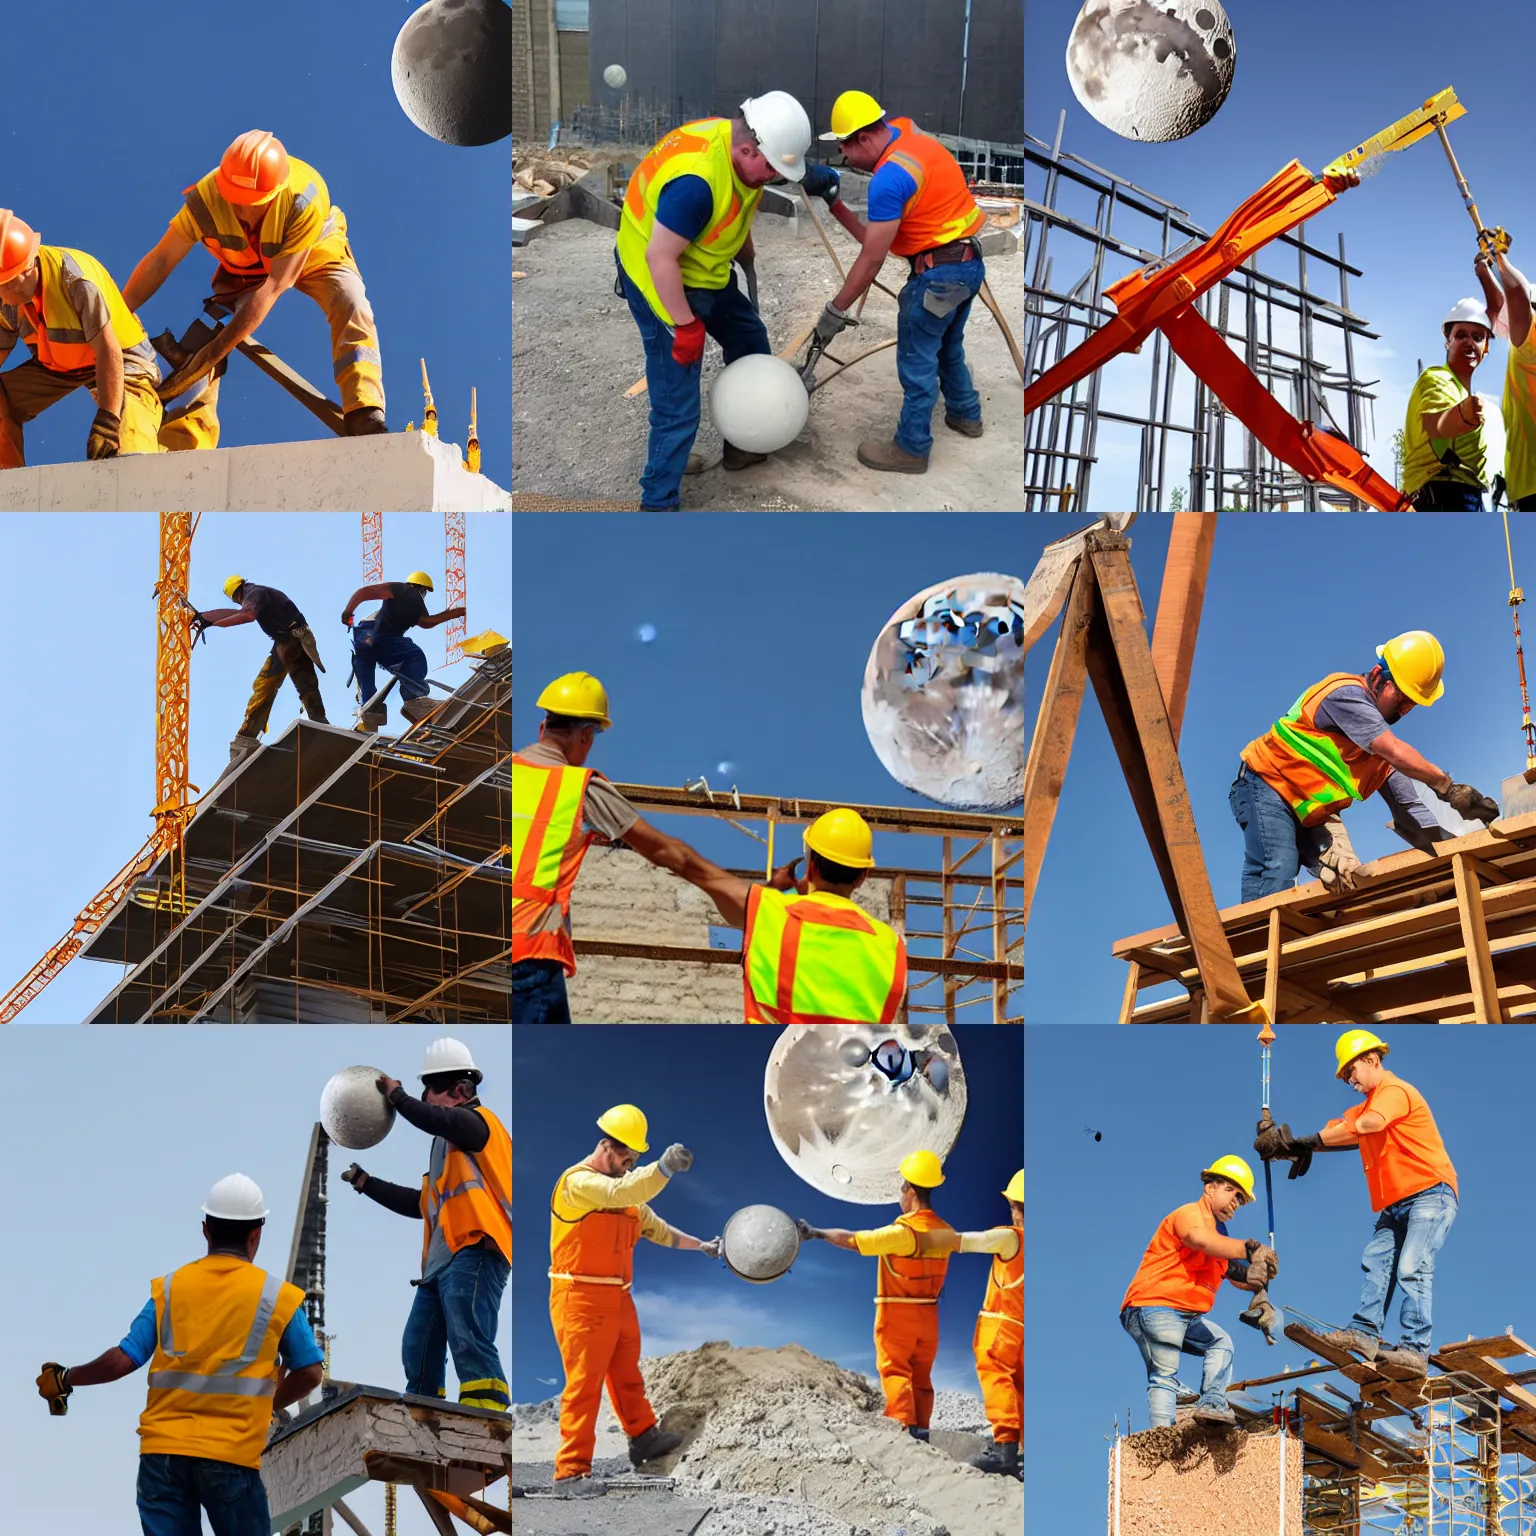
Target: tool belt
[944,255]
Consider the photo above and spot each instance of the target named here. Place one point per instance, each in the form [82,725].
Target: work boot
[876,455]
[739,458]
[314,707]
[242,747]
[1402,1364]
[918,1432]
[999,1456]
[652,1445]
[364,421]
[373,720]
[1208,1413]
[1354,1341]
[964,425]
[580,1485]
[416,709]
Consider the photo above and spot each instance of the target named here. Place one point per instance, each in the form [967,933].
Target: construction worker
[1445,452]
[1512,300]
[1413,1192]
[914,1258]
[998,1342]
[1335,746]
[228,1347]
[687,216]
[382,641]
[269,222]
[465,1205]
[1165,1310]
[597,1213]
[920,207]
[294,654]
[82,335]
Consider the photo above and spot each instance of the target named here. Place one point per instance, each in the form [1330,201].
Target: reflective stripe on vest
[942,209]
[490,1215]
[701,149]
[595,1248]
[819,959]
[548,845]
[221,231]
[913,1280]
[59,341]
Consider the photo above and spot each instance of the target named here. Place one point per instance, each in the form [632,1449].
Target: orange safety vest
[59,339]
[214,1371]
[472,1197]
[942,209]
[596,1248]
[1005,1287]
[548,846]
[819,959]
[916,1282]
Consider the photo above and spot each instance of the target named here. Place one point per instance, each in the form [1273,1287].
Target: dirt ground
[575,351]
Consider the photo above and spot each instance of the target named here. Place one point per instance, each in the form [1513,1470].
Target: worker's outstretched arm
[432,620]
[875,247]
[155,267]
[662,251]
[1493,295]
[727,891]
[654,1230]
[227,618]
[1338,1134]
[110,1365]
[849,220]
[108,351]
[1519,295]
[255,307]
[297,1384]
[1206,1239]
[377,592]
[1393,749]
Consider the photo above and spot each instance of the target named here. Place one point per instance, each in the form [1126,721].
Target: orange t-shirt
[1172,1275]
[1407,1154]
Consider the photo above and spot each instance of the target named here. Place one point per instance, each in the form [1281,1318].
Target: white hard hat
[782,129]
[448,1055]
[236,1198]
[1468,312]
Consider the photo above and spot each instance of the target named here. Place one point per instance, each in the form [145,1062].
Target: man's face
[448,1098]
[1390,699]
[751,164]
[20,288]
[1466,342]
[614,1158]
[1365,1072]
[1224,1198]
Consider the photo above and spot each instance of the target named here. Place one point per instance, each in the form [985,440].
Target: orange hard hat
[18,245]
[254,169]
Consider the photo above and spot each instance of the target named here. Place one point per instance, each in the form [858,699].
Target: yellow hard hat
[842,836]
[922,1169]
[233,585]
[1352,1045]
[420,579]
[1415,659]
[1234,1170]
[1015,1190]
[850,112]
[579,695]
[625,1123]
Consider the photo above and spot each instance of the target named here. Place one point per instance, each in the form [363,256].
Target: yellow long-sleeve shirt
[898,1241]
[1003,1241]
[588,1190]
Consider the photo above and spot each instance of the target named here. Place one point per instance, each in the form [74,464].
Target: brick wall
[1187,1478]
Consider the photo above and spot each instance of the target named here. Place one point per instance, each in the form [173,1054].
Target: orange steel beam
[373,548]
[453,581]
[1179,603]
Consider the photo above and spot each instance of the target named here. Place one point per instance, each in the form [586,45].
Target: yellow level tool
[1440,109]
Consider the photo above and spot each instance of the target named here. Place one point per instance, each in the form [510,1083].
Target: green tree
[1176,500]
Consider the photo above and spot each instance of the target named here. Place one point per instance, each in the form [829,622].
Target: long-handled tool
[1495,240]
[1260,1312]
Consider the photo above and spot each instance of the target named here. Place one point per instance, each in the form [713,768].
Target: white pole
[1282,1474]
[1117,1485]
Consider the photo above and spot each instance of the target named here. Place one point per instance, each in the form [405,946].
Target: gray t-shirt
[604,811]
[1352,712]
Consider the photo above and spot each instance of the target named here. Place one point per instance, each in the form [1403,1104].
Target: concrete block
[1171,1479]
[1516,797]
[524,230]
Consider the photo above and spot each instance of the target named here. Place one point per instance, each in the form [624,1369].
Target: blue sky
[1289,601]
[1304,90]
[81,775]
[165,1122]
[1167,1102]
[426,221]
[703,1086]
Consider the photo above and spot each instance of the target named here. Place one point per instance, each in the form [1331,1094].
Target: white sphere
[759,403]
[760,1243]
[615,76]
[353,1111]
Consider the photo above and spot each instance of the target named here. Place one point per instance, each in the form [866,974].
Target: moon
[452,70]
[841,1126]
[353,1111]
[1153,72]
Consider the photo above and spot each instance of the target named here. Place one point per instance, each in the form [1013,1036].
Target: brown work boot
[878,455]
[1354,1341]
[652,1445]
[364,421]
[242,747]
[739,458]
[373,720]
[314,707]
[416,709]
[1402,1364]
[963,425]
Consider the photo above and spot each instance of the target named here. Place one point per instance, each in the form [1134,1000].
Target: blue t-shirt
[891,188]
[685,205]
[296,1349]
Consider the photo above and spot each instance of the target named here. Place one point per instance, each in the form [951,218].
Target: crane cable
[1516,598]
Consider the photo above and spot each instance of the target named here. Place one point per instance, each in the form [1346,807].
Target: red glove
[688,343]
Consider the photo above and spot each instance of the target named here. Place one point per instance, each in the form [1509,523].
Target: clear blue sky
[1290,599]
[1313,79]
[703,1086]
[1169,1100]
[160,94]
[166,1119]
[80,777]
[762,627]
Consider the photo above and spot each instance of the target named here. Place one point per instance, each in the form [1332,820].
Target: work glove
[102,441]
[749,269]
[1263,1262]
[1422,838]
[676,1159]
[807,1231]
[1261,1314]
[823,182]
[711,1249]
[784,877]
[1471,803]
[1337,861]
[346,618]
[1275,1143]
[199,627]
[832,321]
[355,1176]
[53,1385]
[688,343]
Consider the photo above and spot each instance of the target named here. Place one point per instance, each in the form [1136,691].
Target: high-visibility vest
[214,1371]
[942,209]
[913,1281]
[59,340]
[472,1197]
[220,230]
[700,149]
[1316,772]
[595,1248]
[548,846]
[819,959]
[1005,1286]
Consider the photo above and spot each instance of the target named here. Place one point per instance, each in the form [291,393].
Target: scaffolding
[1275,323]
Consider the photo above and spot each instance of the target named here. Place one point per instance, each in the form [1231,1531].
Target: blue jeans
[1162,1334]
[1447,496]
[397,653]
[174,1490]
[457,1310]
[1275,844]
[674,390]
[930,350]
[538,993]
[1401,1253]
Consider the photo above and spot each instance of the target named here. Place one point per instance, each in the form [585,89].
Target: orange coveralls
[998,1344]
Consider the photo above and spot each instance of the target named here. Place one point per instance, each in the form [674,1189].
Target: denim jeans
[175,1490]
[1162,1334]
[1447,496]
[538,993]
[1275,844]
[457,1310]
[1401,1253]
[396,652]
[930,350]
[673,389]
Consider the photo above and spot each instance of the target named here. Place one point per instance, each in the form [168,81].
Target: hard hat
[18,245]
[1415,659]
[1352,1045]
[759,403]
[233,585]
[579,695]
[1467,311]
[850,112]
[1015,1190]
[625,1123]
[922,1169]
[253,170]
[842,836]
[1234,1170]
[782,130]
[447,1055]
[420,579]
[235,1198]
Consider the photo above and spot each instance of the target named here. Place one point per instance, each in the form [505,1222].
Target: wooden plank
[1272,970]
[1474,935]
[1180,600]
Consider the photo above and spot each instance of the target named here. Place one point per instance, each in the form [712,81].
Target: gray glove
[1263,1262]
[832,321]
[806,1230]
[355,1176]
[676,1159]
[711,1249]
[1471,803]
[1337,862]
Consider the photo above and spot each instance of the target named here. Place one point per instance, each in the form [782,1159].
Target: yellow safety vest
[696,149]
[548,846]
[471,1196]
[59,341]
[208,217]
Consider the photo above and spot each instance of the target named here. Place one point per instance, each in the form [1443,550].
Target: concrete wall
[574,56]
[1188,1478]
[522,72]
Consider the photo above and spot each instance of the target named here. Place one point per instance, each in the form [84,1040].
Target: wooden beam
[1474,935]
[1272,971]
[1179,603]
[1128,997]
